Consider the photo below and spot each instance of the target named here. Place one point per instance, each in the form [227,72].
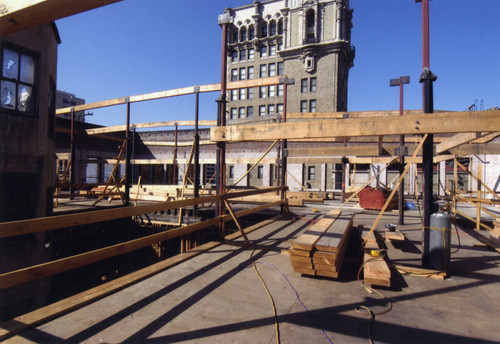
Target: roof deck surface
[217,297]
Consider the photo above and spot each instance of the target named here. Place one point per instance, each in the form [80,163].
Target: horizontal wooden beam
[116,128]
[471,149]
[14,228]
[169,93]
[18,15]
[436,123]
[172,144]
[350,114]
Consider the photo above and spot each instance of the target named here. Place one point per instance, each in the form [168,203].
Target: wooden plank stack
[320,250]
[375,271]
[495,234]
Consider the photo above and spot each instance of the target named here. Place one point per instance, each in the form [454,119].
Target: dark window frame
[20,50]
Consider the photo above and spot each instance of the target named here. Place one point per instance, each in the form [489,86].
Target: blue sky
[138,46]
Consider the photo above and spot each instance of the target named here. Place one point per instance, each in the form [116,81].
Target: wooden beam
[471,149]
[487,138]
[14,228]
[353,114]
[18,15]
[172,144]
[456,140]
[446,122]
[116,128]
[169,93]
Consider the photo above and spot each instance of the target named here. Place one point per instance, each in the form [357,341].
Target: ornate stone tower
[308,40]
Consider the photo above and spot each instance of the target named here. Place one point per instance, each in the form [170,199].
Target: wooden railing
[15,228]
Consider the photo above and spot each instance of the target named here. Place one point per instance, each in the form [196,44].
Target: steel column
[128,152]
[427,78]
[196,152]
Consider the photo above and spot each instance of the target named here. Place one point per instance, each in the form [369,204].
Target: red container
[374,198]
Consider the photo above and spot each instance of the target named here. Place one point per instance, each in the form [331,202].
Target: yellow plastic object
[375,253]
[315,210]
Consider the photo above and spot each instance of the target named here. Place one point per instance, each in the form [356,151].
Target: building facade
[307,40]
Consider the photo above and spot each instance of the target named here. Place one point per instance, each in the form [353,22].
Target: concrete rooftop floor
[217,297]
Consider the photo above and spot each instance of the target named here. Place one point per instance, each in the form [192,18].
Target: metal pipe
[224,20]
[72,147]
[196,152]
[128,152]
[175,176]
[401,191]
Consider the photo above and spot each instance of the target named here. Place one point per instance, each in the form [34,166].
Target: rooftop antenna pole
[426,78]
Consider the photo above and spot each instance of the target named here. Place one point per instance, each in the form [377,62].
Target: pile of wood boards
[375,270]
[319,251]
[495,233]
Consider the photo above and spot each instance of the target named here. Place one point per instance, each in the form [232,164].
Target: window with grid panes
[303,106]
[250,92]
[241,112]
[243,73]
[249,111]
[234,112]
[279,108]
[234,94]
[243,93]
[262,110]
[243,55]
[251,72]
[272,91]
[281,90]
[272,50]
[234,56]
[311,172]
[272,69]
[303,85]
[251,53]
[312,105]
[281,68]
[263,71]
[271,109]
[18,80]
[263,92]
[234,74]
[313,84]
[263,51]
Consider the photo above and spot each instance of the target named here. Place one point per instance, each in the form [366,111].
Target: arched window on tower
[310,26]
[243,34]
[251,32]
[263,29]
[234,35]
[272,28]
[280,27]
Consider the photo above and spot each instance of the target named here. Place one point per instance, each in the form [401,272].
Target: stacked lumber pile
[375,270]
[320,250]
[495,233]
